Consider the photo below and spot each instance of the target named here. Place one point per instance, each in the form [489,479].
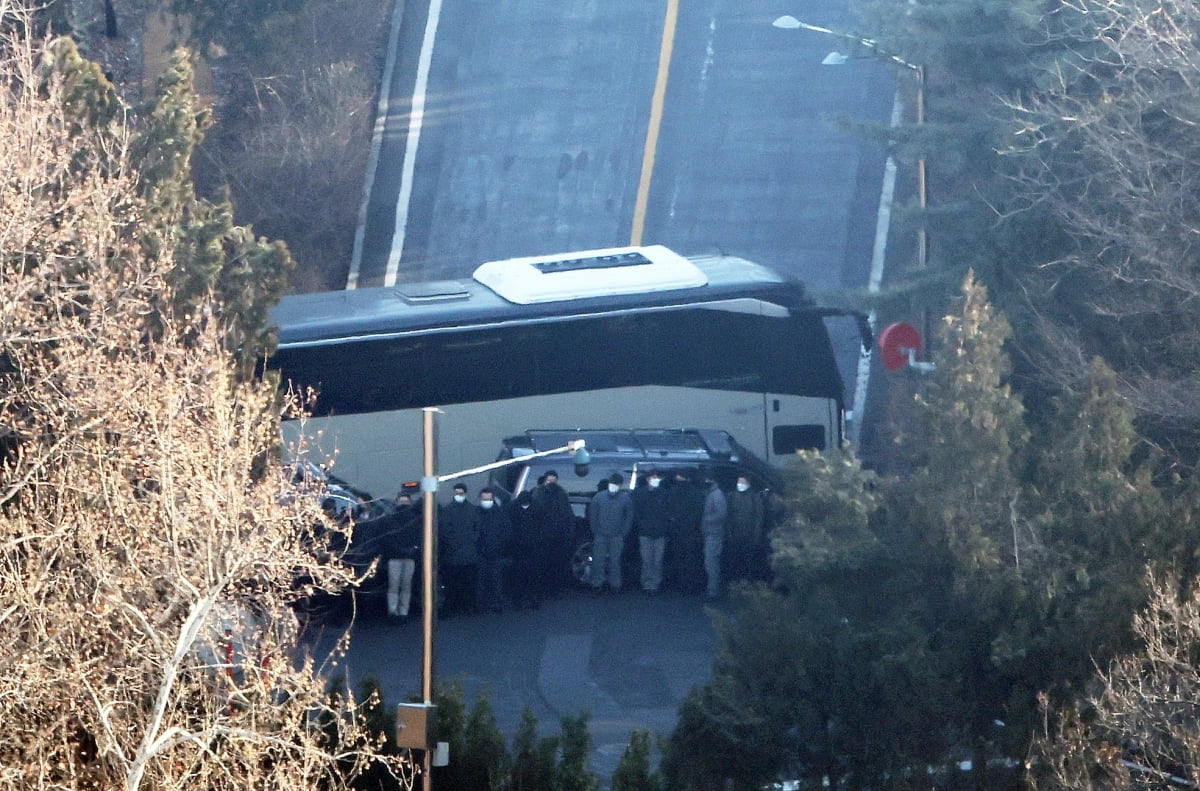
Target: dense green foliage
[914,622]
[213,258]
[481,760]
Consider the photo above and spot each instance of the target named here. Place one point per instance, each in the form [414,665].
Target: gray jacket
[611,514]
[716,508]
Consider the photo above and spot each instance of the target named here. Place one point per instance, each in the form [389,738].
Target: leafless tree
[1141,727]
[1109,144]
[150,544]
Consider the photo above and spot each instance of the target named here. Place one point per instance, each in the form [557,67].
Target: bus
[632,337]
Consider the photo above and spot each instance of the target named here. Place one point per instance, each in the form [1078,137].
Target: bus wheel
[581,562]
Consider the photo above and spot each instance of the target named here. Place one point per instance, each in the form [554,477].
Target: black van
[698,453]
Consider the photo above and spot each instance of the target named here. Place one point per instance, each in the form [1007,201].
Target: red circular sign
[895,341]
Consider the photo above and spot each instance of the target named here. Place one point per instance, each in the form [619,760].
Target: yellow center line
[656,112]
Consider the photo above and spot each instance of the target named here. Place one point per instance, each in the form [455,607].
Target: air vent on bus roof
[436,291]
[591,273]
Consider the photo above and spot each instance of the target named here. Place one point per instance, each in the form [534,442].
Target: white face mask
[743,487]
[654,482]
[487,503]
[613,488]
[460,498]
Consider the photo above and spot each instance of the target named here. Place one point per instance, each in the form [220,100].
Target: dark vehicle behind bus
[697,453]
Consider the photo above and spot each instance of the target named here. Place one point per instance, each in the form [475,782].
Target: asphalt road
[534,116]
[628,660]
[519,128]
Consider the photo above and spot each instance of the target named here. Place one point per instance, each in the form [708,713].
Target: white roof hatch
[591,273]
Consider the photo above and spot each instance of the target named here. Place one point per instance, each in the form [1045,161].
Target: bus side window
[786,440]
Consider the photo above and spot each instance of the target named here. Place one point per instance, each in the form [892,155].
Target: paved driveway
[629,660]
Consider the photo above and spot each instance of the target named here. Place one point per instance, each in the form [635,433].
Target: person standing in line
[458,546]
[529,566]
[553,509]
[651,518]
[610,515]
[495,536]
[712,527]
[747,531]
[400,546]
[684,561]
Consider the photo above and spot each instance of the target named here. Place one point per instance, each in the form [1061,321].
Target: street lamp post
[788,22]
[429,486]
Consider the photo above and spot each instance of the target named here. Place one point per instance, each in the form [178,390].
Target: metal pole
[428,553]
[922,195]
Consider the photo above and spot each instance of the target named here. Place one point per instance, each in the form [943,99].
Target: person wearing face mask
[651,517]
[746,532]
[610,515]
[458,550]
[495,536]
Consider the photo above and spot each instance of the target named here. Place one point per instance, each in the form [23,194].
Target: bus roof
[332,316]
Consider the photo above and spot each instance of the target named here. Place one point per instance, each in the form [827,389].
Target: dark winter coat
[401,533]
[554,510]
[747,518]
[495,532]
[530,536]
[458,534]
[685,504]
[651,511]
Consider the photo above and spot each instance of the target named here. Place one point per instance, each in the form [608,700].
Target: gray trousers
[399,590]
[606,560]
[712,563]
[652,561]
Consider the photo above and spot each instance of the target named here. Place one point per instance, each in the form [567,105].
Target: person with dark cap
[529,566]
[610,515]
[651,519]
[553,510]
[458,548]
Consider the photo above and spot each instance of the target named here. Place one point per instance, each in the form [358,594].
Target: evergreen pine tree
[826,677]
[484,761]
[533,761]
[633,772]
[972,438]
[1097,519]
[213,256]
[450,726]
[573,773]
[963,502]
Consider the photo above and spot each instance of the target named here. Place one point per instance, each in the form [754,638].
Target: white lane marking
[883,221]
[709,53]
[381,116]
[416,118]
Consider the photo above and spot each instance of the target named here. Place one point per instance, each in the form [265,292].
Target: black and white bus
[618,338]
